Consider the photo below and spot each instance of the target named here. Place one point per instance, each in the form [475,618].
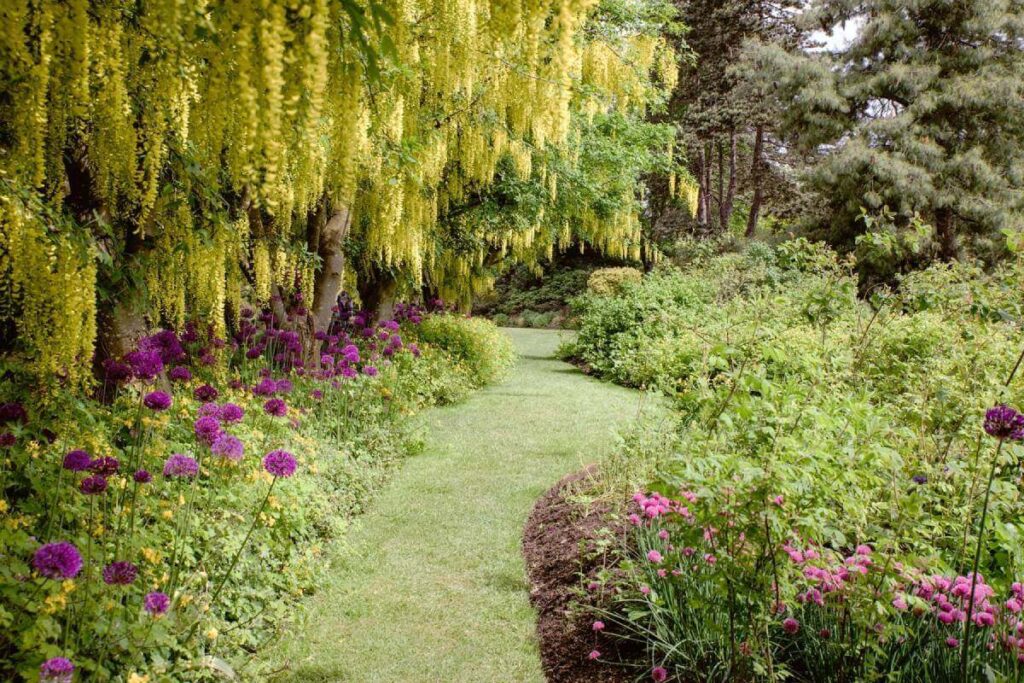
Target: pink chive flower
[594,654]
[598,626]
[659,674]
[790,625]
[654,556]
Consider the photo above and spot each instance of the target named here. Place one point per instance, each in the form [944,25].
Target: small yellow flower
[212,634]
[152,556]
[68,586]
[55,603]
[137,678]
[168,514]
[3,505]
[185,600]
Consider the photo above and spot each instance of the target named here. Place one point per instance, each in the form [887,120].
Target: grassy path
[432,586]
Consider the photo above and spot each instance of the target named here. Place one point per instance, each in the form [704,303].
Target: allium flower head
[94,485]
[56,670]
[105,466]
[206,393]
[180,373]
[157,400]
[145,364]
[12,412]
[228,446]
[77,461]
[279,463]
[207,429]
[120,573]
[920,479]
[369,371]
[659,674]
[157,603]
[275,407]
[594,654]
[7,439]
[284,386]
[1004,422]
[790,625]
[209,409]
[266,387]
[231,413]
[179,465]
[60,560]
[142,476]
[116,371]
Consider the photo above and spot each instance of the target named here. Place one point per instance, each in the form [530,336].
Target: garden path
[431,584]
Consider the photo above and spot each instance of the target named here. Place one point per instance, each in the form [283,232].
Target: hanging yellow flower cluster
[168,124]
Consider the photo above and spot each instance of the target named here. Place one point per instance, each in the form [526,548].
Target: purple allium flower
[179,465]
[157,603]
[206,393]
[659,674]
[179,373]
[116,371]
[230,413]
[207,429]
[120,573]
[920,479]
[316,394]
[12,412]
[7,440]
[236,384]
[790,625]
[209,409]
[145,364]
[94,485]
[56,670]
[266,387]
[275,407]
[59,560]
[228,446]
[284,386]
[414,349]
[77,461]
[279,463]
[254,353]
[1004,422]
[142,476]
[166,344]
[369,370]
[157,400]
[105,466]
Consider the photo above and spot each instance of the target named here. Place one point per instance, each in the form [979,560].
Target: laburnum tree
[919,120]
[170,161]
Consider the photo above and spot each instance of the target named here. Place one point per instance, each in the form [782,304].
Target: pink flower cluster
[657,505]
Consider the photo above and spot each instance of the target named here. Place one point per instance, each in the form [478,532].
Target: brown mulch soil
[555,533]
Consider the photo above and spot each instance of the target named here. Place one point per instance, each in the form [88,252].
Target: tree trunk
[707,185]
[702,188]
[949,250]
[721,185]
[757,180]
[377,289]
[331,240]
[725,208]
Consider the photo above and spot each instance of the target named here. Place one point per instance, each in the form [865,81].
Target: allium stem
[245,541]
[965,646]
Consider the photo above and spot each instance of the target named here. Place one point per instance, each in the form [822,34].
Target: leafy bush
[478,343]
[608,281]
[818,435]
[171,531]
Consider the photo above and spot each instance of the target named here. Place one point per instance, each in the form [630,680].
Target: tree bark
[757,180]
[721,185]
[729,198]
[702,189]
[949,249]
[330,243]
[377,290]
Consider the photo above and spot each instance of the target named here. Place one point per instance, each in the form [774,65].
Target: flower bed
[170,532]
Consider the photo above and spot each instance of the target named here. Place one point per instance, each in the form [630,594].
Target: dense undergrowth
[830,484]
[168,534]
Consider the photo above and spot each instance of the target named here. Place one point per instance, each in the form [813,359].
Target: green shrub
[477,344]
[807,418]
[608,281]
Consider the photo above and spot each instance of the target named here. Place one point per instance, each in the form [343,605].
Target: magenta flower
[145,364]
[157,400]
[275,407]
[206,393]
[120,573]
[266,387]
[228,446]
[231,413]
[1004,422]
[654,556]
[207,429]
[77,461]
[659,674]
[56,670]
[142,477]
[180,373]
[369,371]
[105,466]
[60,560]
[594,654]
[790,625]
[157,603]
[93,485]
[12,412]
[279,463]
[598,626]
[209,410]
[179,465]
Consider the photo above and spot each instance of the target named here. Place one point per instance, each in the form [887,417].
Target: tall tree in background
[724,125]
[922,114]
